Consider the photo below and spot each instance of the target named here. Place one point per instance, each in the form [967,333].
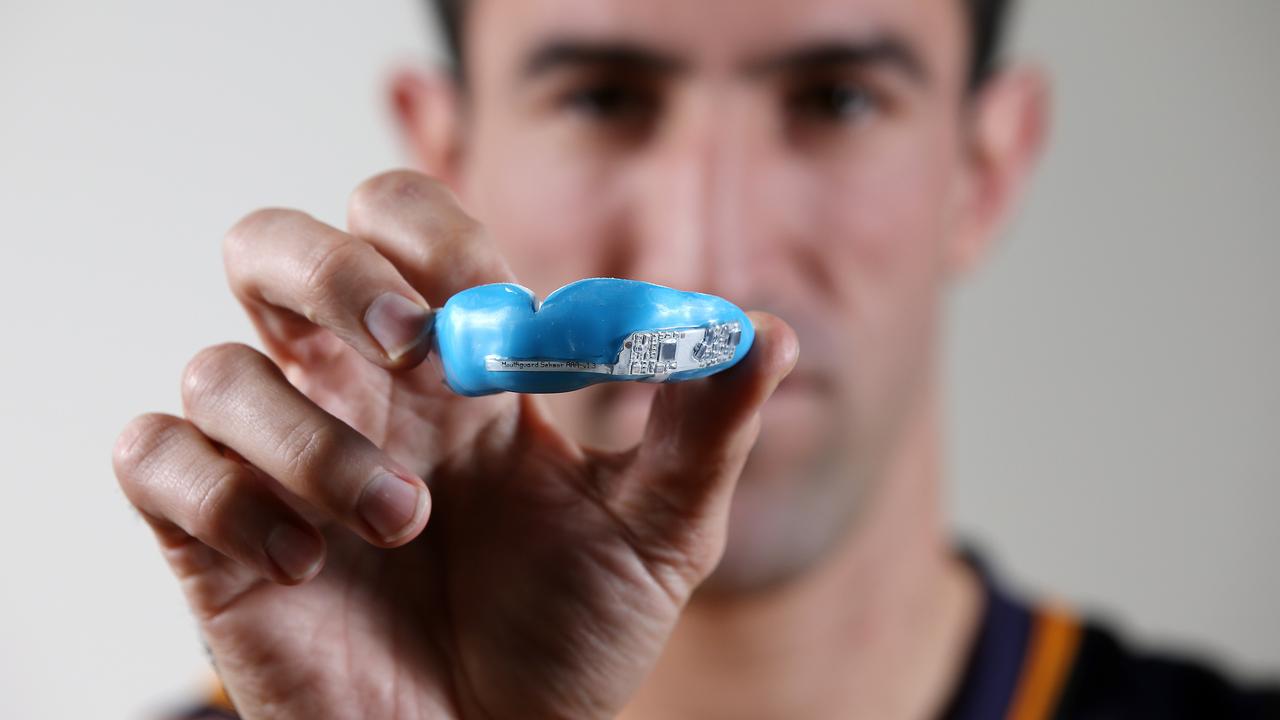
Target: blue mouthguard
[497,337]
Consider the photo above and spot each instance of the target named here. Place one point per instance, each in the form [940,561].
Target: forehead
[712,32]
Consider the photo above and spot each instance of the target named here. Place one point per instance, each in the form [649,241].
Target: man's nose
[691,203]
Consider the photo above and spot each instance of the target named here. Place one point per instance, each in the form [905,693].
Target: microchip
[668,351]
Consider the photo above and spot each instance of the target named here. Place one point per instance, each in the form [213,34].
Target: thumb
[698,436]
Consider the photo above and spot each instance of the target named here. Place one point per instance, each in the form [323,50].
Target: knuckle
[386,188]
[393,191]
[141,441]
[246,234]
[213,493]
[310,451]
[213,372]
[326,267]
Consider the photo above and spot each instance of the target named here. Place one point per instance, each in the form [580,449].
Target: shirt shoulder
[1110,679]
[1037,660]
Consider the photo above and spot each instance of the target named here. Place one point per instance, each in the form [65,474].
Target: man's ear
[426,105]
[1008,126]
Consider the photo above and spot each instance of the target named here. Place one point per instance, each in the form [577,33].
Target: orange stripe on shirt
[217,696]
[1054,641]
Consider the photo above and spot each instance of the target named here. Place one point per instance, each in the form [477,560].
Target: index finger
[295,274]
[418,223]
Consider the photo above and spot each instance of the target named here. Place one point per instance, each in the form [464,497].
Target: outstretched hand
[357,541]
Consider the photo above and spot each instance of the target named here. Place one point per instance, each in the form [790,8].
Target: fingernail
[391,505]
[296,553]
[397,323]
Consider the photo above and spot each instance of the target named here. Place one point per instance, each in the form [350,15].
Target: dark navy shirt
[1033,661]
[1036,660]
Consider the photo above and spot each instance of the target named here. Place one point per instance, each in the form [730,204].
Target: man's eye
[610,102]
[833,102]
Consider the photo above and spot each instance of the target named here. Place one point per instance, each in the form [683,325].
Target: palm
[521,563]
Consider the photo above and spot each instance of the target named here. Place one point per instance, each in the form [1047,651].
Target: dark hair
[987,19]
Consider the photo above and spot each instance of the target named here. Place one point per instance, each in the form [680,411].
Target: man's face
[798,156]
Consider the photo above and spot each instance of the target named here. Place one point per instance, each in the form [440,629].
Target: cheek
[887,227]
[892,222]
[884,239]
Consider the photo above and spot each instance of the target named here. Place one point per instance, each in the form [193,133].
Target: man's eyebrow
[624,55]
[886,50]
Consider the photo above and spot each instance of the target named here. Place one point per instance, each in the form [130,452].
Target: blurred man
[690,551]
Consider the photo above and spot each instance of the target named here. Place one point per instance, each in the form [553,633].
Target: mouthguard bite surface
[495,338]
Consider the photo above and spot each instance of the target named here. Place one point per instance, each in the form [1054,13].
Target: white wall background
[1116,419]
[1116,404]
